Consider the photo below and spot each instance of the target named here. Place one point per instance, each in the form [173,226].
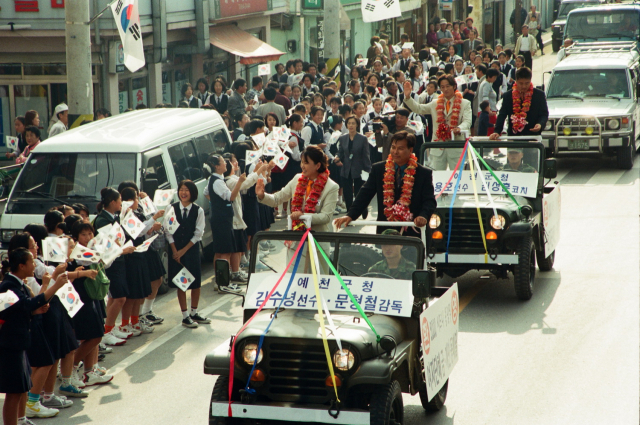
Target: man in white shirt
[445,38]
[526,46]
[62,114]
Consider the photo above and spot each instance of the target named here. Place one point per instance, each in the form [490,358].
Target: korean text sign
[519,184]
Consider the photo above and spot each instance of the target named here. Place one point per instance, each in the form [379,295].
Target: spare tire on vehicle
[358,258]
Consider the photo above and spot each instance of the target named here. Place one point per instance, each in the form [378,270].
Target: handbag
[97,288]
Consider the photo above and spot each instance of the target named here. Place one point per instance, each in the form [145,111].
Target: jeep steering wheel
[378,274]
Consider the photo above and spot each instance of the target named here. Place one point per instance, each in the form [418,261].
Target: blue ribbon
[286,292]
[453,199]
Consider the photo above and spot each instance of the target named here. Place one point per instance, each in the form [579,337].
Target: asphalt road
[567,356]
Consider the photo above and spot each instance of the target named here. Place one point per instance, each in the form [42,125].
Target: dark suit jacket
[361,160]
[423,201]
[538,113]
[15,332]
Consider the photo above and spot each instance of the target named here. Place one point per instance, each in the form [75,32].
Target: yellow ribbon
[475,194]
[321,316]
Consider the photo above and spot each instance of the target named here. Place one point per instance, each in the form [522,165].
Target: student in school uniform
[109,209]
[185,246]
[15,338]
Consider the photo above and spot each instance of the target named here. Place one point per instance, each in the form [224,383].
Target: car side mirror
[422,281]
[150,186]
[550,167]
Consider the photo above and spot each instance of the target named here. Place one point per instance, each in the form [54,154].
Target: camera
[377,126]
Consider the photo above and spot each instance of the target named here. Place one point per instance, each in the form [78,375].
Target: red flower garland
[444,130]
[520,108]
[398,211]
[312,200]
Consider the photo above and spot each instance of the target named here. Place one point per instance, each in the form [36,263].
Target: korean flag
[7,299]
[85,254]
[55,249]
[162,198]
[252,156]
[117,234]
[132,225]
[111,251]
[12,143]
[171,221]
[70,299]
[125,12]
[125,210]
[378,10]
[281,160]
[183,279]
[144,246]
[148,208]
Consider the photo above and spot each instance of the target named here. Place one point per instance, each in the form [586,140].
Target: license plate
[578,145]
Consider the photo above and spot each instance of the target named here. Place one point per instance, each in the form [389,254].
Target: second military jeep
[523,230]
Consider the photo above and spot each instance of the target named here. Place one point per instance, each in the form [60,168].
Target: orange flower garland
[444,130]
[520,109]
[312,200]
[398,211]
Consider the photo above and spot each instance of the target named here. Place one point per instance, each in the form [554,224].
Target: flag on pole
[379,10]
[125,12]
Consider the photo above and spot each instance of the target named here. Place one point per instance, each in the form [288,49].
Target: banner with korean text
[519,184]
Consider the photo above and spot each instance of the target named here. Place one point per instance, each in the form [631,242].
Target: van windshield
[603,24]
[51,179]
[589,82]
[565,8]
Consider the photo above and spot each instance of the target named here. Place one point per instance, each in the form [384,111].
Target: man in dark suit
[537,115]
[423,201]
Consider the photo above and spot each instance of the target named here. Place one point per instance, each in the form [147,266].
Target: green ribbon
[494,176]
[353,300]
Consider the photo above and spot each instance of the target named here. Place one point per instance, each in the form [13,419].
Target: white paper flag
[285,134]
[117,234]
[162,198]
[55,249]
[7,299]
[461,80]
[97,243]
[297,78]
[285,147]
[362,62]
[417,126]
[378,10]
[171,221]
[334,137]
[125,13]
[144,246]
[372,139]
[270,149]
[132,225]
[264,69]
[127,245]
[111,251]
[281,160]
[83,253]
[148,207]
[252,157]
[125,209]
[408,45]
[70,299]
[12,142]
[396,48]
[259,139]
[387,109]
[183,279]
[105,229]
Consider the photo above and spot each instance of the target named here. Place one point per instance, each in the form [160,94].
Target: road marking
[605,177]
[561,175]
[471,294]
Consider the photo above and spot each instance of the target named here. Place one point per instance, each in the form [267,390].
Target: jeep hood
[559,23]
[597,106]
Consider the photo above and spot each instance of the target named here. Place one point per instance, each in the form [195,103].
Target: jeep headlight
[249,353]
[548,126]
[434,221]
[613,124]
[498,222]
[343,359]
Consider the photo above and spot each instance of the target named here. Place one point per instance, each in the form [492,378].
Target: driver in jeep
[394,264]
[515,163]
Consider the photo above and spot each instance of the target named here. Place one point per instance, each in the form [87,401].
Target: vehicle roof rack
[603,47]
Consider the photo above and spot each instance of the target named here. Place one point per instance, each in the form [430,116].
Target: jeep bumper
[288,412]
[474,259]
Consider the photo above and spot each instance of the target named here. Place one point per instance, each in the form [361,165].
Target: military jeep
[291,382]
[517,235]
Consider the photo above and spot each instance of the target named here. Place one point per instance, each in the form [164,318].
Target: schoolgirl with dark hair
[187,96]
[202,90]
[20,127]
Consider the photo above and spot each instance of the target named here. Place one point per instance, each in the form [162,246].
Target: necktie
[398,178]
[184,213]
[448,105]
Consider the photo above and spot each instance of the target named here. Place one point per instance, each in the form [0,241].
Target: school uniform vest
[193,103]
[300,141]
[316,135]
[187,227]
[221,210]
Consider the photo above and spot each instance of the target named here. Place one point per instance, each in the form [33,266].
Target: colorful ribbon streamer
[475,195]
[484,183]
[496,178]
[453,172]
[233,346]
[453,199]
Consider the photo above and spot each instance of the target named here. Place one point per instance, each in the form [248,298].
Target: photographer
[389,127]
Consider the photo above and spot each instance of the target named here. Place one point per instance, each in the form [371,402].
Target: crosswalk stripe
[605,177]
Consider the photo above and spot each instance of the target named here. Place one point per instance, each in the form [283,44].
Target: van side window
[155,170]
[185,162]
[204,146]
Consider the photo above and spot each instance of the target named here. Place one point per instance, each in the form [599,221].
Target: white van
[156,148]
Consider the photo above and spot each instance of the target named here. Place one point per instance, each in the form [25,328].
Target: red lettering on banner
[27,6]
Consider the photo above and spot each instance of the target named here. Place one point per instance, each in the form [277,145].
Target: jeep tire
[545,264]
[221,393]
[385,406]
[524,272]
[360,258]
[626,154]
[437,402]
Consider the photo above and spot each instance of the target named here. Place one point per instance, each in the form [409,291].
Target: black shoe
[153,318]
[199,319]
[189,323]
[101,357]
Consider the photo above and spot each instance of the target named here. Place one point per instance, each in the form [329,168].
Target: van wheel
[386,407]
[545,264]
[625,155]
[524,272]
[437,402]
[221,393]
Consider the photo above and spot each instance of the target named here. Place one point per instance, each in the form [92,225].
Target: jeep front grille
[296,370]
[578,124]
[465,231]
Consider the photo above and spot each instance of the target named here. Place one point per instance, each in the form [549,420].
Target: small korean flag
[110,252]
[7,299]
[297,78]
[85,254]
[70,299]
[97,242]
[372,140]
[387,109]
[334,137]
[105,229]
[125,209]
[281,160]
[417,126]
[362,61]
[285,147]
[12,142]
[271,148]
[148,207]
[396,48]
[264,69]
[55,249]
[162,198]
[132,225]
[117,234]
[285,134]
[171,221]
[259,139]
[183,279]
[144,246]
[252,156]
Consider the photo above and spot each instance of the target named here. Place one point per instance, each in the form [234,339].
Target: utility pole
[332,35]
[78,46]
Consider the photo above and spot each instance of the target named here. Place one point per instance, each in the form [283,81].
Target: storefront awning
[240,43]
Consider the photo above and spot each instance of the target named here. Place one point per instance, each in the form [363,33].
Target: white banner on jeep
[391,297]
[519,184]
[439,339]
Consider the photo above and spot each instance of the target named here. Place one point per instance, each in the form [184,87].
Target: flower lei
[398,211]
[312,200]
[520,109]
[444,130]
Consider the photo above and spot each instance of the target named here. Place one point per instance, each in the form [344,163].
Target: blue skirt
[15,371]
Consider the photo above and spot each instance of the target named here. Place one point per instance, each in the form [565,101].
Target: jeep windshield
[567,7]
[619,24]
[581,83]
[49,179]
